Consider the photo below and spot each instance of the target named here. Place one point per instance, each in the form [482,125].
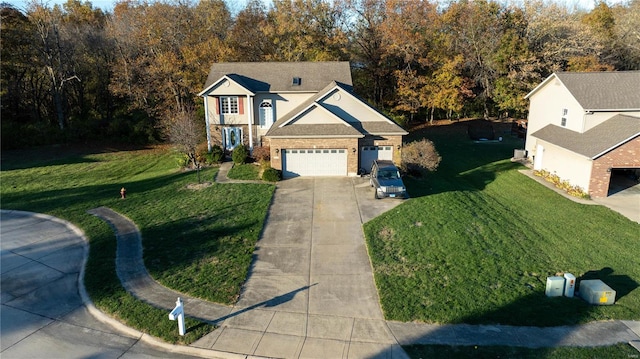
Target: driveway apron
[310,291]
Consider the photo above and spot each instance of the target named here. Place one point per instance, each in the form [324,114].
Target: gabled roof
[600,91]
[278,76]
[231,78]
[286,126]
[595,142]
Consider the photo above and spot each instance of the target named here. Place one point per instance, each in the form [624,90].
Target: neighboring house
[306,112]
[585,126]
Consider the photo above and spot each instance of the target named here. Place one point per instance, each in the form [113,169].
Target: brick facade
[352,145]
[393,141]
[625,156]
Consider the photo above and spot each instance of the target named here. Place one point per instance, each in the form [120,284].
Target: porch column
[250,117]
[206,121]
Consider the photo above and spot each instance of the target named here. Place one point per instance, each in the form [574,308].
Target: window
[564,111]
[563,122]
[297,81]
[229,105]
[266,114]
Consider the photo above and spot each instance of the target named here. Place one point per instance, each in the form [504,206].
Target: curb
[123,329]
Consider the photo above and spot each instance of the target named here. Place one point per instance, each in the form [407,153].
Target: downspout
[250,120]
[206,121]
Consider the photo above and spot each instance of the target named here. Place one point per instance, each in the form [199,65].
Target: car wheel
[375,194]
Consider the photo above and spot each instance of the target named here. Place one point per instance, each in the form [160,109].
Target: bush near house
[216,155]
[271,175]
[240,154]
[420,157]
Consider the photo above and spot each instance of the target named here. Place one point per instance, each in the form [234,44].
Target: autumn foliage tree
[73,72]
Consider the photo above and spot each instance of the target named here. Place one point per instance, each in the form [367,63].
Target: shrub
[182,160]
[262,154]
[240,154]
[216,155]
[419,157]
[272,175]
[564,185]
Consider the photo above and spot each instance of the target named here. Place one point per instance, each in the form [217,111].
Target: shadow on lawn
[465,164]
[554,320]
[93,195]
[59,154]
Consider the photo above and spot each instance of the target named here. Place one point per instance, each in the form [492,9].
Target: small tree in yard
[418,157]
[185,132]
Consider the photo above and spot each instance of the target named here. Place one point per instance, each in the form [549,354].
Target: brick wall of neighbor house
[393,141]
[306,143]
[625,156]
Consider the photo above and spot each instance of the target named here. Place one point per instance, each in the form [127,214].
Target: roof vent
[297,81]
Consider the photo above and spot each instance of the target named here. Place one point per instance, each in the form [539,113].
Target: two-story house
[584,126]
[306,112]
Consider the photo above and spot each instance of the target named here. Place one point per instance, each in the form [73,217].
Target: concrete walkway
[309,294]
[310,291]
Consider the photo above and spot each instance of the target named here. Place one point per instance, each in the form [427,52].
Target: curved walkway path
[310,291]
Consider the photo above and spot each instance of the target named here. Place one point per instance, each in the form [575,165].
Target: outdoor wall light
[398,147]
[353,150]
[609,170]
[277,151]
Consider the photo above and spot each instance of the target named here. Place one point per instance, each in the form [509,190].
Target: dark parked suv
[385,178]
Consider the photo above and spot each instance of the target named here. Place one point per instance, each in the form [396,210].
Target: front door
[232,137]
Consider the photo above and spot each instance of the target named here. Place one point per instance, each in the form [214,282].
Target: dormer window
[297,81]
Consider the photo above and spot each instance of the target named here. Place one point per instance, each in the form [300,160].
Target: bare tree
[418,157]
[185,132]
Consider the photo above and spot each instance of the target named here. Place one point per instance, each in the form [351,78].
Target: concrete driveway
[310,291]
[624,199]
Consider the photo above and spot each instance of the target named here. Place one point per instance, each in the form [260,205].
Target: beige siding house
[306,112]
[584,126]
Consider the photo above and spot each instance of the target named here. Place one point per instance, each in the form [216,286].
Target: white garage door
[314,162]
[372,153]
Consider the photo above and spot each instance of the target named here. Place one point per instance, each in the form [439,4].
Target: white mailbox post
[178,312]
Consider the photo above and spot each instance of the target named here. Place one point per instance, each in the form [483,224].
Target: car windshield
[388,174]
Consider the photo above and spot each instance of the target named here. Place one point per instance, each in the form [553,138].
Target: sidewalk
[276,317]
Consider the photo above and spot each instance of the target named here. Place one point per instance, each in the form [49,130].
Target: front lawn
[478,239]
[247,171]
[197,239]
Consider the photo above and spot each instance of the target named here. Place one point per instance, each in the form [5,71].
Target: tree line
[77,73]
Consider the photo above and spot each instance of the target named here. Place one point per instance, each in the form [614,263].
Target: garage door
[314,162]
[372,153]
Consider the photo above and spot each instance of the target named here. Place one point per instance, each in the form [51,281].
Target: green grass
[492,352]
[198,241]
[478,239]
[247,171]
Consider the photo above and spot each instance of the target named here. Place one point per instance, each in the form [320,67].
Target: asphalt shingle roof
[315,130]
[596,141]
[618,90]
[278,76]
[355,128]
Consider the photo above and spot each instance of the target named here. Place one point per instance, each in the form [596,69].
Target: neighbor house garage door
[314,162]
[372,153]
